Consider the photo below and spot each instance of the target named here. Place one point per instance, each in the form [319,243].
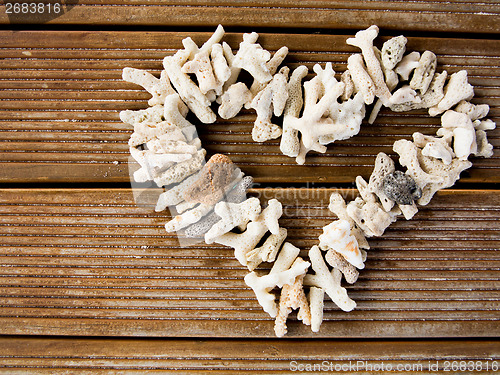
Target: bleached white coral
[289,144]
[268,251]
[474,111]
[233,100]
[430,98]
[312,124]
[383,167]
[272,65]
[233,215]
[271,100]
[253,58]
[364,41]
[159,88]
[316,303]
[210,77]
[370,216]
[179,171]
[464,134]
[457,89]
[255,230]
[429,173]
[393,51]
[151,115]
[338,206]
[424,72]
[407,65]
[262,285]
[147,131]
[187,89]
[363,83]
[292,297]
[328,281]
[436,147]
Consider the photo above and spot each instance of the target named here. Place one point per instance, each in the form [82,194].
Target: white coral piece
[407,64]
[159,88]
[268,251]
[147,131]
[474,111]
[429,173]
[362,81]
[316,303]
[188,217]
[151,115]
[201,66]
[289,144]
[383,167]
[234,71]
[272,65]
[484,148]
[424,72]
[179,171]
[285,258]
[438,148]
[464,134]
[253,58]
[255,230]
[190,93]
[393,51]
[263,285]
[233,215]
[370,216]
[312,124]
[271,100]
[328,281]
[233,100]
[364,41]
[292,297]
[430,98]
[187,89]
[173,196]
[457,89]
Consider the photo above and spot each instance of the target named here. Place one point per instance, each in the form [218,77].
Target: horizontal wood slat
[92,262]
[425,15]
[77,355]
[61,94]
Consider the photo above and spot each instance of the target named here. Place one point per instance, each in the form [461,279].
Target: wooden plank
[93,262]
[476,16]
[61,94]
[77,356]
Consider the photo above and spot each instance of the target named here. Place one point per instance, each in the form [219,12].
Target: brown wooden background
[83,269]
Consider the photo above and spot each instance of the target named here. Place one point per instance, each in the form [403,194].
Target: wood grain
[478,16]
[61,94]
[91,356]
[92,262]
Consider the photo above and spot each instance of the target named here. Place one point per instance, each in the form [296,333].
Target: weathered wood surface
[61,94]
[477,16]
[132,356]
[92,262]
